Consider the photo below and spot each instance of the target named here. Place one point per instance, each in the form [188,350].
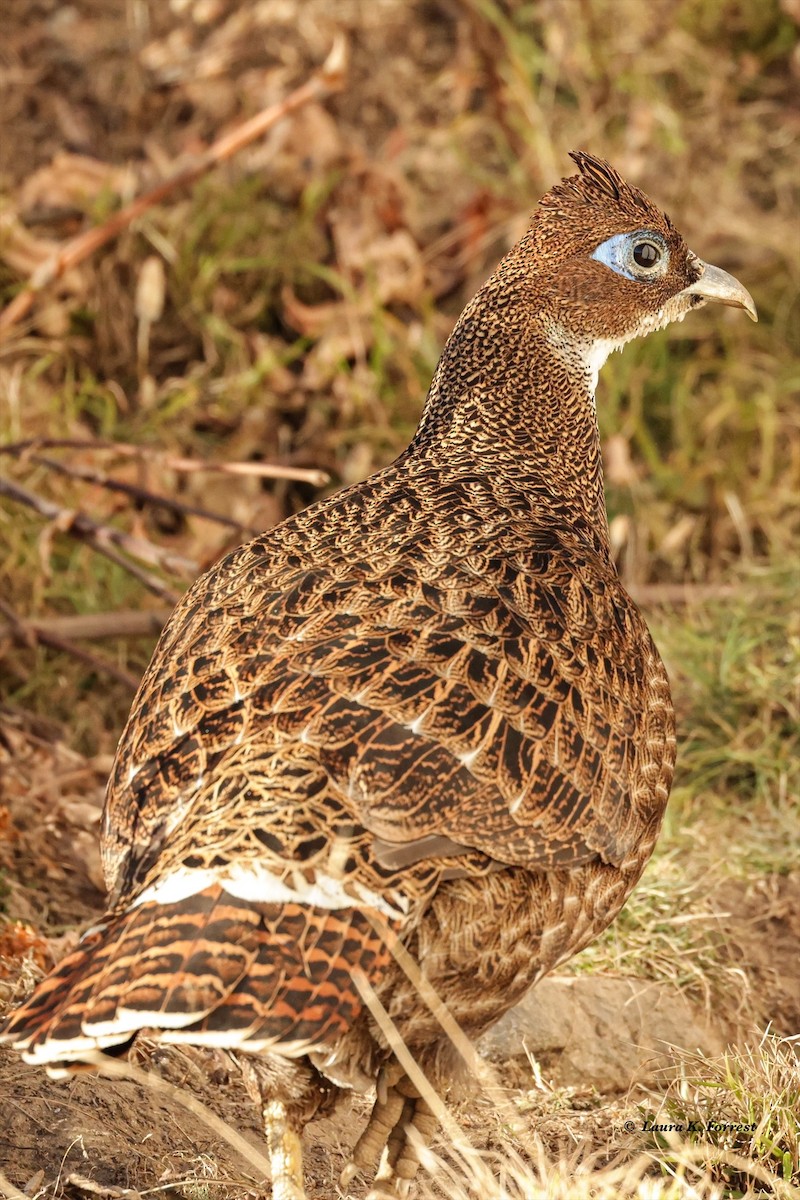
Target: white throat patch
[586,357]
[594,357]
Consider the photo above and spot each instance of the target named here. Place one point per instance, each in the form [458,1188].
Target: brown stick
[100,479]
[96,626]
[101,537]
[26,633]
[83,527]
[328,80]
[120,1069]
[263,470]
[675,594]
[310,475]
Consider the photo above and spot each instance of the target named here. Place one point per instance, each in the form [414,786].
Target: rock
[606,1032]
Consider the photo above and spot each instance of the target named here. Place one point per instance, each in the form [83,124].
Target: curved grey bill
[717,285]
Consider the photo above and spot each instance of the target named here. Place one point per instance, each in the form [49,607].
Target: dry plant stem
[151,582]
[263,470]
[328,80]
[95,626]
[8,1189]
[103,537]
[310,475]
[459,1140]
[482,1071]
[700,1154]
[675,594]
[100,479]
[28,634]
[118,1069]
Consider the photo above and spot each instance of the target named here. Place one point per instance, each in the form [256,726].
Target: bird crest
[586,208]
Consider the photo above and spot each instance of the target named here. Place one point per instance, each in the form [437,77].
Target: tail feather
[209,968]
[190,957]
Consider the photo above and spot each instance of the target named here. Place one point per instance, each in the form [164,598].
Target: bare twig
[101,537]
[151,582]
[459,1140]
[482,1070]
[328,80]
[173,462]
[674,594]
[100,479]
[263,470]
[83,527]
[96,626]
[26,633]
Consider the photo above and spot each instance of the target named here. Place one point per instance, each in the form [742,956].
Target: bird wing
[320,721]
[327,733]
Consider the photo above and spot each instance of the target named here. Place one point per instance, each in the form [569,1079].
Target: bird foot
[386,1114]
[401,1124]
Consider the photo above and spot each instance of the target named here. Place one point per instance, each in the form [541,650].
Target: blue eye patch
[639,256]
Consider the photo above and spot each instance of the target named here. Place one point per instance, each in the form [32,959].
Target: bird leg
[285,1155]
[398,1110]
[263,1078]
[387,1111]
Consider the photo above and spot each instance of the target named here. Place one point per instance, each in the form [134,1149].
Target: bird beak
[715,284]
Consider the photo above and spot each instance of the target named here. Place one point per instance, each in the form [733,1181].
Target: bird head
[608,265]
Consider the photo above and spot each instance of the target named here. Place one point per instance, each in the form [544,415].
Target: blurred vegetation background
[289,309]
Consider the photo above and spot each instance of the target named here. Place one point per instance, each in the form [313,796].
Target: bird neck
[513,399]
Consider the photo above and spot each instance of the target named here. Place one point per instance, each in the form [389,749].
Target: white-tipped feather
[128,1020]
[253,883]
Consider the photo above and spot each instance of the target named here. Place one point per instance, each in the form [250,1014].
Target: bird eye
[642,255]
[646,255]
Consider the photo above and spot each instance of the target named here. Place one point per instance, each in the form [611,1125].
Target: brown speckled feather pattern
[417,679]
[425,710]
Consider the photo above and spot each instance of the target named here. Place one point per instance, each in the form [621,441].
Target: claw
[349,1173]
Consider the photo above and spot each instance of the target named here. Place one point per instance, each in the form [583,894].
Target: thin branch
[95,626]
[143,495]
[101,537]
[120,1069]
[26,633]
[328,80]
[312,475]
[482,1071]
[83,527]
[263,470]
[674,594]
[459,1140]
[151,582]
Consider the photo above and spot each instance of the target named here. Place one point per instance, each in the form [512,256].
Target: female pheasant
[422,713]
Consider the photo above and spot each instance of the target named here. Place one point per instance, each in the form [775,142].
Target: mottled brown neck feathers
[513,399]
